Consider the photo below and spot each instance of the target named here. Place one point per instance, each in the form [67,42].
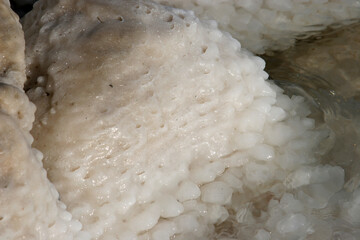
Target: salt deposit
[262,25]
[29,205]
[156,125]
[12,47]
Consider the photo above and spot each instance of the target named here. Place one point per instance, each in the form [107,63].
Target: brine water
[325,69]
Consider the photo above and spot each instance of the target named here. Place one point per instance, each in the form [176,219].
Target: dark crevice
[21,7]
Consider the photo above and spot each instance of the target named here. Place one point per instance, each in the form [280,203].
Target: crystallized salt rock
[262,25]
[13,100]
[12,47]
[29,204]
[155,124]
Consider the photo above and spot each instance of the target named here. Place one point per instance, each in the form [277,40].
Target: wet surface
[329,60]
[325,69]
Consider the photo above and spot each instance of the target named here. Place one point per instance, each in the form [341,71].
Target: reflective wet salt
[326,70]
[194,142]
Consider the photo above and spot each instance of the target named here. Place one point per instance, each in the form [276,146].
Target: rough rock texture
[13,100]
[12,47]
[155,124]
[29,205]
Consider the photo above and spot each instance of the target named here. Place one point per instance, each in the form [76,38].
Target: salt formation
[156,125]
[262,25]
[29,208]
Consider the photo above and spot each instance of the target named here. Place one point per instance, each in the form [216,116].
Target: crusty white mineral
[262,25]
[29,205]
[156,125]
[12,47]
[13,100]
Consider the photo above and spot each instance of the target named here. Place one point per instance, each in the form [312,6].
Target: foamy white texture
[29,205]
[262,25]
[155,124]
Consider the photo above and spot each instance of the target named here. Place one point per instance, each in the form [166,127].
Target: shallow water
[325,69]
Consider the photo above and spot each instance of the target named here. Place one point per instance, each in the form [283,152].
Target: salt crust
[29,205]
[13,101]
[12,47]
[262,25]
[155,124]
